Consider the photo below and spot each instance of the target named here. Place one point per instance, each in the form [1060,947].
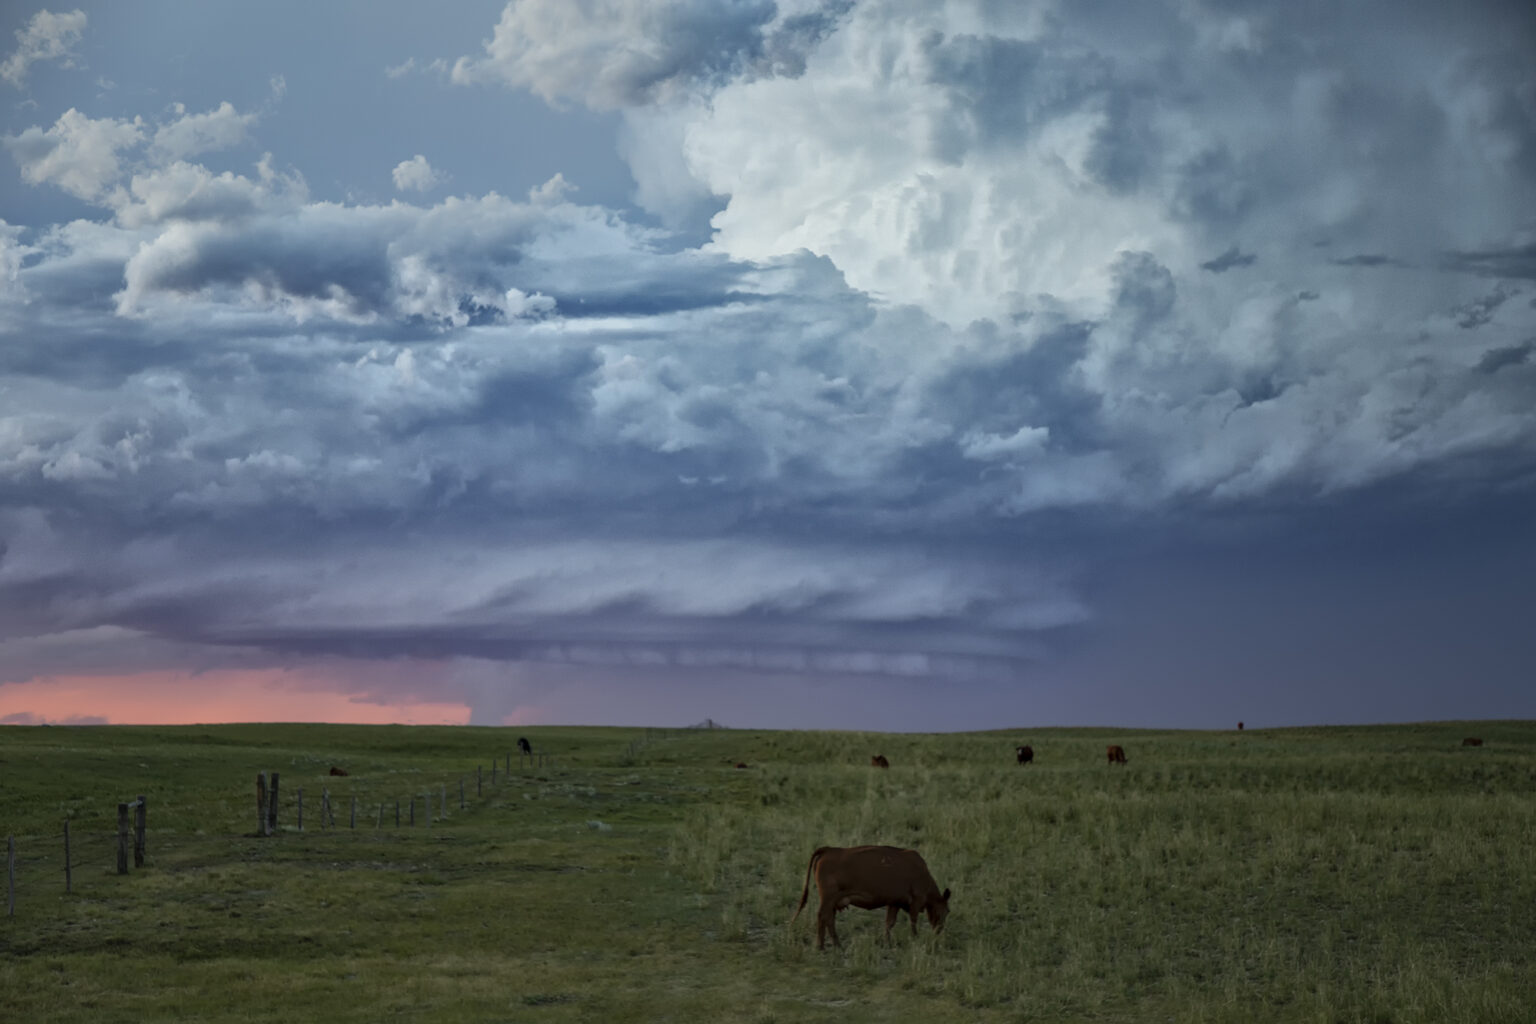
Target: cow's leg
[891,913]
[912,912]
[826,924]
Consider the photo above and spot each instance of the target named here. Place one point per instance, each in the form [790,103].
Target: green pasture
[1373,874]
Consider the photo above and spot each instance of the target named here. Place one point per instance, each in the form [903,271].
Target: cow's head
[938,910]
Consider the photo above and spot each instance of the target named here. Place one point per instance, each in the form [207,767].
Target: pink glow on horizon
[235,695]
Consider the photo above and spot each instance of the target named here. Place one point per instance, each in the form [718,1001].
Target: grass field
[1332,874]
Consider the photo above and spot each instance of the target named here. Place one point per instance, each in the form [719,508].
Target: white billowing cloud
[652,142]
[47,36]
[986,161]
[89,158]
[78,154]
[1024,441]
[191,134]
[190,192]
[416,174]
[615,53]
[555,190]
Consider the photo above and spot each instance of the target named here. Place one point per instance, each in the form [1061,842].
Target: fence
[652,735]
[127,838]
[83,848]
[268,802]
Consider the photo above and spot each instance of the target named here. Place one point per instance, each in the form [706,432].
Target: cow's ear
[945,896]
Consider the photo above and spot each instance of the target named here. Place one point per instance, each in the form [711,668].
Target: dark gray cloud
[1495,359]
[1480,311]
[1517,261]
[1372,259]
[1233,257]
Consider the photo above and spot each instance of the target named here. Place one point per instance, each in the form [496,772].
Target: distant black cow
[1239,726]
[1116,755]
[1026,754]
[741,764]
[522,746]
[879,761]
[338,771]
[1471,741]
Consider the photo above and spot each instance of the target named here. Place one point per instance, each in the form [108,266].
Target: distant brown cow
[1026,754]
[879,761]
[741,764]
[871,877]
[1116,754]
[338,771]
[1239,726]
[1471,741]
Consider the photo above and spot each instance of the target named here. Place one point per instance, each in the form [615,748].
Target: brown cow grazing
[1026,754]
[1116,754]
[338,771]
[879,761]
[871,877]
[1239,726]
[741,764]
[522,746]
[1471,741]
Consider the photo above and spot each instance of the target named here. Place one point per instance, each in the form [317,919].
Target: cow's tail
[805,890]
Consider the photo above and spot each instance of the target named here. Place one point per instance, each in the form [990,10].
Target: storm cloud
[924,345]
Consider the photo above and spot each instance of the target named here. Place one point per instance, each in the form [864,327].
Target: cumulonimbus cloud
[973,284]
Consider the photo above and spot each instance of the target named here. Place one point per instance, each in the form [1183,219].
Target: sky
[825,364]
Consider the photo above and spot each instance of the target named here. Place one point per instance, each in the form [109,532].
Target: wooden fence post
[10,876]
[354,812]
[413,810]
[272,807]
[69,878]
[397,812]
[477,781]
[427,798]
[300,792]
[325,799]
[461,792]
[442,800]
[262,828]
[122,839]
[140,819]
[380,823]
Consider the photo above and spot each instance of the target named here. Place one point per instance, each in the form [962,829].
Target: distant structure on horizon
[708,723]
